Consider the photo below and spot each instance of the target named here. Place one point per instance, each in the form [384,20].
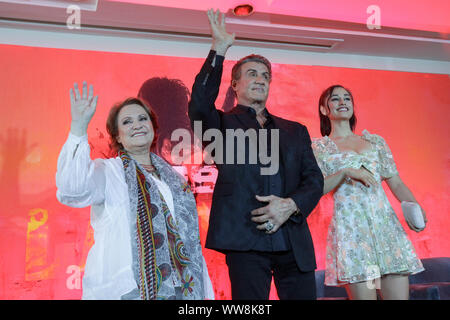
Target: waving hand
[82,108]
[222,40]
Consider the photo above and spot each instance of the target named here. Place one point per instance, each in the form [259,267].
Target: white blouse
[101,184]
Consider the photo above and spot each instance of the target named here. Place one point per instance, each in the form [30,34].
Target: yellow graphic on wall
[36,257]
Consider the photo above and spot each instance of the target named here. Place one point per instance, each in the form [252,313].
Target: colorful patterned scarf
[168,250]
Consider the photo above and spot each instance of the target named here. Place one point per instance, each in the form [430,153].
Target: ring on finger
[269,226]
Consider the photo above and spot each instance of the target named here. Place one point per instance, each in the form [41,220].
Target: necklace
[149,167]
[152,170]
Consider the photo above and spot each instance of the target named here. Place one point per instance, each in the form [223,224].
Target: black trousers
[251,276]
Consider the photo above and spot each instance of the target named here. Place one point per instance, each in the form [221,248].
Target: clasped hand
[277,211]
[363,175]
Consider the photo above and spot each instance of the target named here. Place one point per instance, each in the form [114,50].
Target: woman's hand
[222,40]
[402,193]
[82,108]
[362,175]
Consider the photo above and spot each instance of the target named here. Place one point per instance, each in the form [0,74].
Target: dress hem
[343,283]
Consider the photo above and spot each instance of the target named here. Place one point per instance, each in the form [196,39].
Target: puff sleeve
[320,153]
[387,167]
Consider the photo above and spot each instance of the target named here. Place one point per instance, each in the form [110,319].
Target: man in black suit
[258,220]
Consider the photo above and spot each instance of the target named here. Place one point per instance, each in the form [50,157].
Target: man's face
[253,85]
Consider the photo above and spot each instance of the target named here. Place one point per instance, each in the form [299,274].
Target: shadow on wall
[169,100]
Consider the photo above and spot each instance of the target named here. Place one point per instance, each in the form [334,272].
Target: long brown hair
[325,123]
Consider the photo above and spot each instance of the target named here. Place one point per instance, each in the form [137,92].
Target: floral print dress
[365,238]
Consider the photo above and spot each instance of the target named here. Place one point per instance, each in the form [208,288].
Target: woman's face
[135,129]
[340,105]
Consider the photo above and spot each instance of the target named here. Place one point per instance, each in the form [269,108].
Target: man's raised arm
[207,82]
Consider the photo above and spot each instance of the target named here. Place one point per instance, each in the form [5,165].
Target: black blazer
[230,227]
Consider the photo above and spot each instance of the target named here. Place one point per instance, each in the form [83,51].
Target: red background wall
[43,244]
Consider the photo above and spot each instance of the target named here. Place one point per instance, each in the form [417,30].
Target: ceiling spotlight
[243,10]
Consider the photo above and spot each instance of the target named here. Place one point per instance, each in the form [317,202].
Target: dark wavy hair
[325,123]
[112,125]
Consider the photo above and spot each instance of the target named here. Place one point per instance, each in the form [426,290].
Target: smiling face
[135,130]
[339,105]
[253,84]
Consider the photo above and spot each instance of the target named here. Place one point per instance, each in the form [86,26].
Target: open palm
[222,40]
[82,107]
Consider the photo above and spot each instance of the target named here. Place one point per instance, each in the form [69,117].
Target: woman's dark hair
[325,123]
[112,125]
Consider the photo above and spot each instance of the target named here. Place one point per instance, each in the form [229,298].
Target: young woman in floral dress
[365,238]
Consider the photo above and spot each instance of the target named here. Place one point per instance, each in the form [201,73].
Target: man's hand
[221,39]
[277,212]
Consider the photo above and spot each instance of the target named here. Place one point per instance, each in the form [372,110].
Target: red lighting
[243,10]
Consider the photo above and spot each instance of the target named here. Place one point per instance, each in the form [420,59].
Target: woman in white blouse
[144,216]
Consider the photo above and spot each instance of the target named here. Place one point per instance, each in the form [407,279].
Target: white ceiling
[291,25]
[406,14]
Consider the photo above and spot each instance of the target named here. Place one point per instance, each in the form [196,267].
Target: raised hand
[222,40]
[82,108]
